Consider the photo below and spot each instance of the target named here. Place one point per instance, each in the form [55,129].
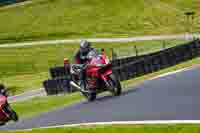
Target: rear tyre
[114,85]
[14,116]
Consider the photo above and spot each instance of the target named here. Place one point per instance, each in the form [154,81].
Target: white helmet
[84,46]
[2,90]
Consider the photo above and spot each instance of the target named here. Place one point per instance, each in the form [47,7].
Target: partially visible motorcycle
[6,112]
[99,76]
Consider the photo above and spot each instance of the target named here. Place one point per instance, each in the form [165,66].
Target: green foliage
[38,105]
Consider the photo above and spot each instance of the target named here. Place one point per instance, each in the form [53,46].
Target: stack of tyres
[7,2]
[59,72]
[60,82]
[56,86]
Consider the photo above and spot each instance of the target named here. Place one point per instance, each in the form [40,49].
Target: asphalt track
[173,97]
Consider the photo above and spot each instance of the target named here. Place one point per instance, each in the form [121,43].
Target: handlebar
[84,66]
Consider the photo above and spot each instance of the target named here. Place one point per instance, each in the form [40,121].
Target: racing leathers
[81,58]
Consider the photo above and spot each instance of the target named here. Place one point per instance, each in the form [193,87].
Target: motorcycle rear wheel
[114,85]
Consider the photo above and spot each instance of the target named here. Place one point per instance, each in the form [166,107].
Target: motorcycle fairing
[3,115]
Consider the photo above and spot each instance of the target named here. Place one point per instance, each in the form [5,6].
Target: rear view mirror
[66,61]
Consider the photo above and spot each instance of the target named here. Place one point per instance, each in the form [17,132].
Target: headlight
[107,61]
[99,65]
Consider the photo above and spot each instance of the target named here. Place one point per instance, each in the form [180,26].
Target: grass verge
[38,105]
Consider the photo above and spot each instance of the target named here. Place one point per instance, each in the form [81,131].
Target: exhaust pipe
[78,87]
[75,85]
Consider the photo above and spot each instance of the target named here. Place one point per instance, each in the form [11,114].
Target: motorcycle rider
[81,58]
[6,109]
[3,90]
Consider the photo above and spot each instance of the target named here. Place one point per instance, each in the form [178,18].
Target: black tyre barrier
[59,72]
[9,2]
[125,60]
[56,86]
[159,60]
[131,67]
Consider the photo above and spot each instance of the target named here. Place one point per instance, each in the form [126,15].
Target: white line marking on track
[147,122]
[108,40]
[170,73]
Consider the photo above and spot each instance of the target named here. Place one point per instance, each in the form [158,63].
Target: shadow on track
[109,97]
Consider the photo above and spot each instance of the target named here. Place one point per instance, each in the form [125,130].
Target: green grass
[56,19]
[25,68]
[37,105]
[167,128]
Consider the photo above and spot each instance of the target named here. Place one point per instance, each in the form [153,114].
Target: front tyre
[114,85]
[91,96]
[2,123]
[13,114]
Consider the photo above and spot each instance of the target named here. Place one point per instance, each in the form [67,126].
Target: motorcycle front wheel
[12,113]
[91,96]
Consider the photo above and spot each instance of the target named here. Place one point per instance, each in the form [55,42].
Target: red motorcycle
[6,112]
[99,76]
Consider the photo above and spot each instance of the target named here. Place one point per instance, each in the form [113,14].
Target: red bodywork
[3,116]
[93,70]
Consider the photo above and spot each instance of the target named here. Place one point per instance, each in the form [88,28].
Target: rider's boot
[83,85]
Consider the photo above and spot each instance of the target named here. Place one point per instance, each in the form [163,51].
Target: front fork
[6,110]
[105,78]
[107,84]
